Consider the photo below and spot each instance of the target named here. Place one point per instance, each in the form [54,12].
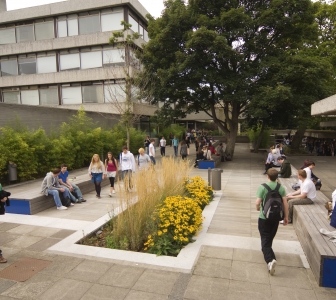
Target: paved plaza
[229,264]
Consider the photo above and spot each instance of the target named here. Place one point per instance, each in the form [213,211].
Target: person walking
[97,173]
[127,163]
[267,227]
[163,143]
[143,160]
[4,201]
[111,169]
[175,144]
[184,150]
[152,152]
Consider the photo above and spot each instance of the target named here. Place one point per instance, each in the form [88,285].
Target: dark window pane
[27,66]
[89,24]
[11,97]
[49,96]
[9,68]
[93,94]
[7,36]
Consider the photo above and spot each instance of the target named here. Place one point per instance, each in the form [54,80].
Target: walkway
[229,266]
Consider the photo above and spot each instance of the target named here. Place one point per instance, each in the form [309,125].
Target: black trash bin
[12,171]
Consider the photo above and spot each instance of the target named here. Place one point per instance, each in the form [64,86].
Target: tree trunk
[297,139]
[258,141]
[128,137]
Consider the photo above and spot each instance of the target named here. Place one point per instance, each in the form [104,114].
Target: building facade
[58,55]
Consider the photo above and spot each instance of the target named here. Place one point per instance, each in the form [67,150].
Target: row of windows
[70,25]
[49,62]
[69,94]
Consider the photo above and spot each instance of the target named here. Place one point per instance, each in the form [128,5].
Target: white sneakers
[271,266]
[62,207]
[113,192]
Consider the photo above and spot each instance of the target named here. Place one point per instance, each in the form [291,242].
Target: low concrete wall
[49,118]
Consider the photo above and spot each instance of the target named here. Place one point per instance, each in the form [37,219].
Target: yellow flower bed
[178,219]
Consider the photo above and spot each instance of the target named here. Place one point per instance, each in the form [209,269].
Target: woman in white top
[97,173]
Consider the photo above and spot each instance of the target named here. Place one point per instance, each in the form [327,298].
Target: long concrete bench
[30,201]
[307,221]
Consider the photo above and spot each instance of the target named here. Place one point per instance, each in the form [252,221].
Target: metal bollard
[216,182]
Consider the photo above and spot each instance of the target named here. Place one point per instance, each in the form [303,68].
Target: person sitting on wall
[272,160]
[4,201]
[285,169]
[74,191]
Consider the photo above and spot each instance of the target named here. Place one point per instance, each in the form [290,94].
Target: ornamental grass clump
[197,189]
[177,220]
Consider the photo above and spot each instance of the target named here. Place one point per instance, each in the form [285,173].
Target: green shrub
[175,129]
[253,135]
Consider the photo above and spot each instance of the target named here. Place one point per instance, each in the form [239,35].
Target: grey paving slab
[8,226]
[155,281]
[281,292]
[44,231]
[203,287]
[252,272]
[5,284]
[66,289]
[88,270]
[296,278]
[62,265]
[217,252]
[103,292]
[62,234]
[121,276]
[213,267]
[180,286]
[22,229]
[43,244]
[248,256]
[23,241]
[6,237]
[139,295]
[249,290]
[325,294]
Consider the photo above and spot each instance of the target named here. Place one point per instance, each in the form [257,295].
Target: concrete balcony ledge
[326,106]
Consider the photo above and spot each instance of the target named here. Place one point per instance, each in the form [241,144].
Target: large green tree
[207,54]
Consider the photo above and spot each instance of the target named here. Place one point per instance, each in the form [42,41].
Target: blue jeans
[127,177]
[76,190]
[175,150]
[56,196]
[153,160]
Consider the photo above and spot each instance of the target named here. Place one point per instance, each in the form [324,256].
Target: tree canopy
[241,57]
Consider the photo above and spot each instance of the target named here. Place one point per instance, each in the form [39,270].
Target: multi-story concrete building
[58,56]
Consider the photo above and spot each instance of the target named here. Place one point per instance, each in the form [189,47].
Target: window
[27,65]
[93,94]
[141,29]
[9,67]
[7,36]
[89,24]
[46,64]
[110,22]
[72,95]
[44,31]
[62,28]
[113,56]
[11,97]
[25,33]
[72,27]
[91,60]
[114,93]
[30,97]
[145,36]
[134,23]
[49,96]
[69,62]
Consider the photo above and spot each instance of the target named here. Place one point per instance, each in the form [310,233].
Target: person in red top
[111,168]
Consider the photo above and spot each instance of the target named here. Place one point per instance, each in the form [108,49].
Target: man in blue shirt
[175,144]
[63,179]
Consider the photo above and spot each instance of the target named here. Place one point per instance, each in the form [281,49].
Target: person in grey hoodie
[51,186]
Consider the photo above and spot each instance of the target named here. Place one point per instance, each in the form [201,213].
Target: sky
[154,7]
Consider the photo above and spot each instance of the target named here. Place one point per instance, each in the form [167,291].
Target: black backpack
[272,206]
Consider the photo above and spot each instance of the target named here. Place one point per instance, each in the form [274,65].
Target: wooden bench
[307,222]
[30,201]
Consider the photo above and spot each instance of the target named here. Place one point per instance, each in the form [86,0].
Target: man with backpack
[272,204]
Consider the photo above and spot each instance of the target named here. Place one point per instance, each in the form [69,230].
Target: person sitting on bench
[51,186]
[64,181]
[285,169]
